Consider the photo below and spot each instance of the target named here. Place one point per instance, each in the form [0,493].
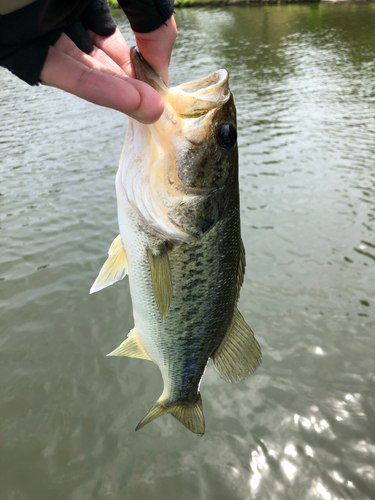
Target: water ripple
[302,427]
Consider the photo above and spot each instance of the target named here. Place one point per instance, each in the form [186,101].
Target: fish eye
[226,135]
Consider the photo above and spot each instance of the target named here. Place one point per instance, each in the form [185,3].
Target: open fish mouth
[196,98]
[189,100]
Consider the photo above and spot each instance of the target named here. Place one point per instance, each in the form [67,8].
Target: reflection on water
[302,427]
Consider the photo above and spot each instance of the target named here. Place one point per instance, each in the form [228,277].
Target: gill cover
[149,178]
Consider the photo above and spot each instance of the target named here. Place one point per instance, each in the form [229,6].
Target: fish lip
[145,73]
[216,81]
[201,98]
[212,90]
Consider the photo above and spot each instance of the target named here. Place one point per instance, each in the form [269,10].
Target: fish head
[206,150]
[190,152]
[200,122]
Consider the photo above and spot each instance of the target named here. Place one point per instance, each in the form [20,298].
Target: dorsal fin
[131,347]
[161,278]
[241,271]
[114,268]
[239,353]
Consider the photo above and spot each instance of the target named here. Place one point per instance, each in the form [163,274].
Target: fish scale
[180,242]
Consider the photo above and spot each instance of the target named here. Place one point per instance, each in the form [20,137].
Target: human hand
[104,76]
[156,47]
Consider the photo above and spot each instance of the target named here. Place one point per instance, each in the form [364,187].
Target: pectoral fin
[131,347]
[161,278]
[239,353]
[114,268]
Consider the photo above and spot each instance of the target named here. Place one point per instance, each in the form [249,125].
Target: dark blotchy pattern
[204,275]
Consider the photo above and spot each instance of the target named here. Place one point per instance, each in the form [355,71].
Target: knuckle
[73,51]
[87,80]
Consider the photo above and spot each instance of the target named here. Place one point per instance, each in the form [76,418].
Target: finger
[101,61]
[156,47]
[116,48]
[158,60]
[102,57]
[135,98]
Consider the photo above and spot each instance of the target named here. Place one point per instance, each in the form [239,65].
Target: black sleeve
[27,33]
[147,15]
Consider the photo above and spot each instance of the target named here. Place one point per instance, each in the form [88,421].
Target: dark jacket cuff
[27,33]
[27,61]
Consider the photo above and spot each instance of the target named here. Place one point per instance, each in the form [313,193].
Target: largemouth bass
[180,243]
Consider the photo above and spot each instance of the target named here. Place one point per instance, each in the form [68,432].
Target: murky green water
[302,427]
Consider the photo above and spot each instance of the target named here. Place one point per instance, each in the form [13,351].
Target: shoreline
[257,3]
[251,3]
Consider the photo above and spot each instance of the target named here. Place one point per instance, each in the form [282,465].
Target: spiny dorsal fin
[161,278]
[114,268]
[241,270]
[239,353]
[190,416]
[131,347]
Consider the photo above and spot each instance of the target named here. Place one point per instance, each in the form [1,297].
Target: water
[303,426]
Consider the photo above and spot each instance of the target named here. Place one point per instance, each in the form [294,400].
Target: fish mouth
[196,98]
[189,100]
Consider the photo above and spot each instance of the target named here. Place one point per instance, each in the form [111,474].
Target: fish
[180,243]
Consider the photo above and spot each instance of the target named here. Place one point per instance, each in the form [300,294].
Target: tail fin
[190,416]
[156,411]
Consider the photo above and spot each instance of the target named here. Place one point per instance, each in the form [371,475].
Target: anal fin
[131,347]
[114,268]
[239,353]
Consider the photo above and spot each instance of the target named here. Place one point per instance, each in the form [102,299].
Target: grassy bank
[199,3]
[113,4]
